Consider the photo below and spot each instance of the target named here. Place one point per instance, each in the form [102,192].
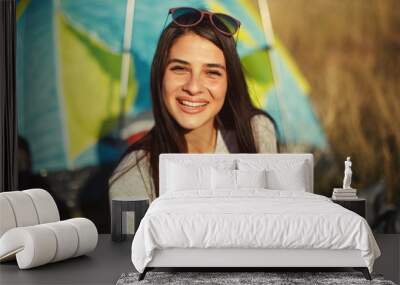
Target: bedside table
[358,206]
[122,213]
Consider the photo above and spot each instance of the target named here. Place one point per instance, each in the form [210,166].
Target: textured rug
[225,278]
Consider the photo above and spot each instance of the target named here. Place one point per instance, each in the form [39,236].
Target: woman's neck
[202,140]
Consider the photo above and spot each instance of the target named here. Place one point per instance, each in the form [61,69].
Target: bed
[247,210]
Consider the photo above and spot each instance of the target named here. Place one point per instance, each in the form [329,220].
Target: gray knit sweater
[134,182]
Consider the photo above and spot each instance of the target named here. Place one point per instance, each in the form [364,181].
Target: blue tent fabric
[40,104]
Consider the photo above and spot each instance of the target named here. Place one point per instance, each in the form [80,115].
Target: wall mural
[76,113]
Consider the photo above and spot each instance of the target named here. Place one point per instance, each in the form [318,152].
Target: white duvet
[251,218]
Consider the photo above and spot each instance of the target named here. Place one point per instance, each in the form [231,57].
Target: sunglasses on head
[189,17]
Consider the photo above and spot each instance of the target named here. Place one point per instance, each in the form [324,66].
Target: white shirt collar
[221,146]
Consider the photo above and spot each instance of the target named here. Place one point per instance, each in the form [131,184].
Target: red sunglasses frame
[210,17]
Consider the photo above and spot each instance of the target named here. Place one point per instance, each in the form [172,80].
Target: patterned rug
[229,278]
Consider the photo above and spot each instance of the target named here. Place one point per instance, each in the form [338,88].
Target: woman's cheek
[169,84]
[219,91]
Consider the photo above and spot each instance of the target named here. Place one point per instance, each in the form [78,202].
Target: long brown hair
[167,136]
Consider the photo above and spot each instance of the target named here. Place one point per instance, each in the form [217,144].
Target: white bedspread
[250,218]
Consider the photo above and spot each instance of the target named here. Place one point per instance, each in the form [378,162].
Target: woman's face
[195,81]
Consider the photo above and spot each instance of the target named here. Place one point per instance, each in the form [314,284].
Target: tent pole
[275,68]
[125,66]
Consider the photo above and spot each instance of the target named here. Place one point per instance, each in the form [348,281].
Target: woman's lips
[191,109]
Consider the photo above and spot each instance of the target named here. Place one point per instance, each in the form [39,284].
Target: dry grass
[349,51]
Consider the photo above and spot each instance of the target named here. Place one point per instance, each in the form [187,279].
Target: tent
[70,80]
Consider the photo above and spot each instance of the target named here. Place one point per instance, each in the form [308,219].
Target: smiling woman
[194,89]
[200,102]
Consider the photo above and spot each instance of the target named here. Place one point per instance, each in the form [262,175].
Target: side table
[358,205]
[121,216]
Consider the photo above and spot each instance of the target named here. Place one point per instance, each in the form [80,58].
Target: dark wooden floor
[106,264]
[389,262]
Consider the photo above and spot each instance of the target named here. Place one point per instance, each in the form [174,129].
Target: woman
[200,102]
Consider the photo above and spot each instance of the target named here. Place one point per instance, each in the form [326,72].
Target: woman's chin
[190,123]
[190,126]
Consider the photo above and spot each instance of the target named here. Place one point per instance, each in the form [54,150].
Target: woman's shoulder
[129,162]
[264,133]
[261,120]
[131,178]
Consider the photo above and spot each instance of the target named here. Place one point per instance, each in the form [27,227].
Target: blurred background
[349,51]
[327,71]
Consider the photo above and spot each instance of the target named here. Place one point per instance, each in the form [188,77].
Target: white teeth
[192,104]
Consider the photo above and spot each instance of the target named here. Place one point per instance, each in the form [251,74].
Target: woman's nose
[193,84]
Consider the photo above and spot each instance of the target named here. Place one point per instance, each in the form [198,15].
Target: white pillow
[223,179]
[182,177]
[280,174]
[251,178]
[293,179]
[221,164]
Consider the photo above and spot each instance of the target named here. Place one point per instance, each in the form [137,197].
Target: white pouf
[7,220]
[31,230]
[23,208]
[33,246]
[87,233]
[40,244]
[45,205]
[67,239]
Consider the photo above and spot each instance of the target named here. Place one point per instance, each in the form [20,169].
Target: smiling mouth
[191,107]
[192,104]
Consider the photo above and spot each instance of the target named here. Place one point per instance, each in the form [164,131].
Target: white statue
[347,174]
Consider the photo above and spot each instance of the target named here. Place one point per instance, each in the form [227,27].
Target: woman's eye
[177,68]
[214,73]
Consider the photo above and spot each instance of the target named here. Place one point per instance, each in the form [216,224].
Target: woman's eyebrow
[217,65]
[176,60]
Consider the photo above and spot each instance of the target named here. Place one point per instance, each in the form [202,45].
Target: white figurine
[347,174]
